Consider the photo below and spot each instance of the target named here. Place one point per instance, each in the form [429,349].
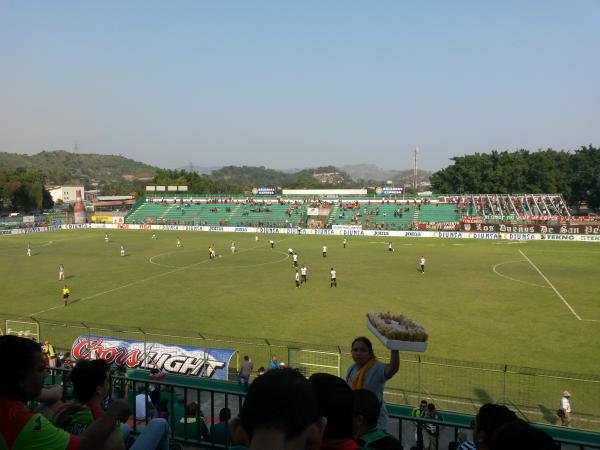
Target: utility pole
[415,172]
[75,146]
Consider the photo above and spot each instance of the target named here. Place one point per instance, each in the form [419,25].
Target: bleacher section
[438,213]
[368,212]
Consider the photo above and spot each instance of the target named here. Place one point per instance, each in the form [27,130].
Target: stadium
[506,297]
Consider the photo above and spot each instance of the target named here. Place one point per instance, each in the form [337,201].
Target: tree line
[574,174]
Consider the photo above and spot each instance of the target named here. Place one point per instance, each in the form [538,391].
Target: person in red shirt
[21,380]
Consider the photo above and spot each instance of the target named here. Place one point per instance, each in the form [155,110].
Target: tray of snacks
[397,332]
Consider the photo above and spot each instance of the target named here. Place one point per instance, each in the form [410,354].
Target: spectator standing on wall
[431,436]
[419,411]
[273,363]
[50,353]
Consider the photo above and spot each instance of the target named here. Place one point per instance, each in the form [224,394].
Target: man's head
[365,411]
[224,414]
[423,405]
[23,376]
[280,403]
[91,379]
[335,404]
[489,418]
[519,435]
[246,358]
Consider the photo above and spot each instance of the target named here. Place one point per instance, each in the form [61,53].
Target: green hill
[60,167]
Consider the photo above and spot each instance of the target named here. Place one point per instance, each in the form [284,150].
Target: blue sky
[298,84]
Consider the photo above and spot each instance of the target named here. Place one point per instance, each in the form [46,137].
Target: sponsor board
[324,231]
[169,227]
[531,229]
[451,235]
[102,219]
[381,233]
[216,228]
[268,230]
[346,227]
[413,234]
[123,226]
[312,211]
[174,359]
[486,236]
[559,237]
[240,230]
[145,226]
[520,236]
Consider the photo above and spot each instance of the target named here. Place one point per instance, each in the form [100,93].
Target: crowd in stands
[282,410]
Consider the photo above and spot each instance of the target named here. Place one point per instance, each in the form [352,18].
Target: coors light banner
[174,359]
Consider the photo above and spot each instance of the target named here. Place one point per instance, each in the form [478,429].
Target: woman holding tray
[368,373]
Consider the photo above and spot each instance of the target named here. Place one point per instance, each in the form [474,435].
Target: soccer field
[531,304]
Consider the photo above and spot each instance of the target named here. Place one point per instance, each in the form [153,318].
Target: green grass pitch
[479,300]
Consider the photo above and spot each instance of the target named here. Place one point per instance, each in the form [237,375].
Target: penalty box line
[551,285]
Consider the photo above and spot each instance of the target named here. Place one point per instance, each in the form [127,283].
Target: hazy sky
[298,83]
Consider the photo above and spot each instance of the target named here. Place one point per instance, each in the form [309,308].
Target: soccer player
[290,251]
[333,278]
[179,243]
[106,237]
[303,271]
[297,277]
[29,249]
[345,241]
[295,259]
[154,236]
[232,247]
[390,249]
[272,243]
[422,264]
[65,293]
[256,238]
[325,251]
[122,250]
[61,272]
[210,252]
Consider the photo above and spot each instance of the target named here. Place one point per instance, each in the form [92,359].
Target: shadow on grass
[482,396]
[548,414]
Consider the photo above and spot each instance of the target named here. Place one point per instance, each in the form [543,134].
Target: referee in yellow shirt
[65,294]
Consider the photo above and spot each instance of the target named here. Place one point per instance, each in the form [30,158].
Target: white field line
[136,282]
[551,285]
[515,279]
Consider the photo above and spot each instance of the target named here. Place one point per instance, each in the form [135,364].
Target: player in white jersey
[232,247]
[390,249]
[303,272]
[325,251]
[122,250]
[29,249]
[422,264]
[106,237]
[295,259]
[297,278]
[333,274]
[61,272]
[179,244]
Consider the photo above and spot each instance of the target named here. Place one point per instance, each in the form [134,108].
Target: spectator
[280,411]
[50,353]
[368,373]
[519,435]
[220,433]
[273,362]
[419,411]
[22,381]
[245,371]
[365,412]
[141,403]
[91,384]
[335,404]
[431,436]
[489,418]
[192,425]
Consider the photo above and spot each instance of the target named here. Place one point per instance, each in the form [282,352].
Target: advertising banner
[102,219]
[174,359]
[263,191]
[570,229]
[389,190]
[28,219]
[312,211]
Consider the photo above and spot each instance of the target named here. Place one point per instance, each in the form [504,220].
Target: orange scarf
[359,378]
